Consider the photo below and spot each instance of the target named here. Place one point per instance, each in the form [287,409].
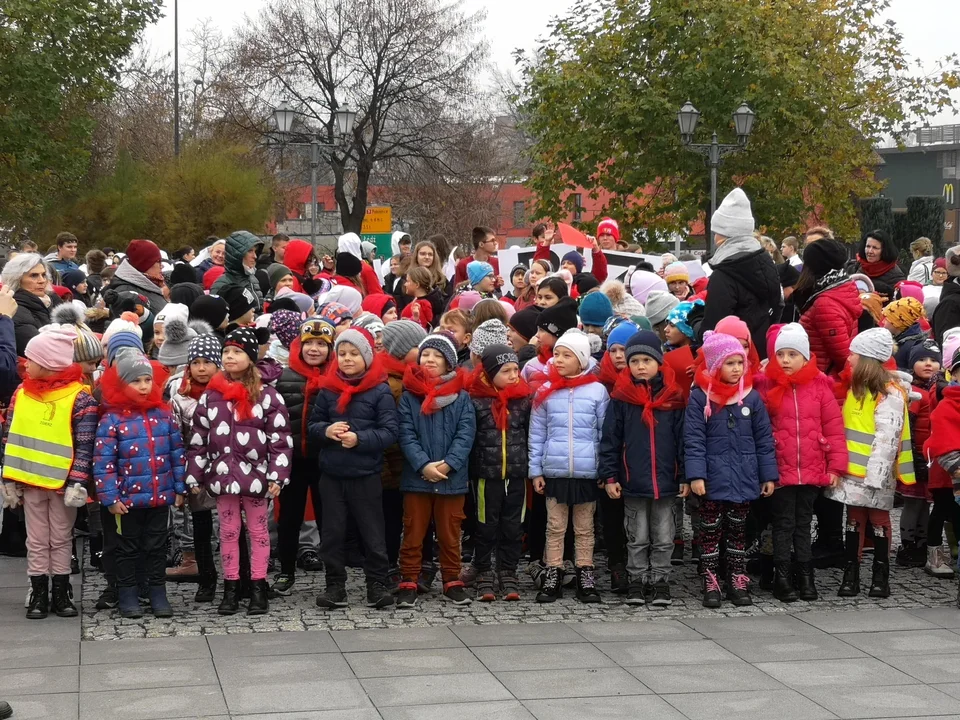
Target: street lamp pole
[176,80]
[314,163]
[714,151]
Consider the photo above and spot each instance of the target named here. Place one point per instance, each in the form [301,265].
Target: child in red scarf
[811,454]
[641,462]
[498,469]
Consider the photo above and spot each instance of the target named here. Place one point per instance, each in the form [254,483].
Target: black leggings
[944,509]
[293,505]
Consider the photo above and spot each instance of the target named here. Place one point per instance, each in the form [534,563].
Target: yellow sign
[947,193]
[377,220]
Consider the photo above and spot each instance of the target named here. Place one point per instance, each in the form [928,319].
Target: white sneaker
[937,563]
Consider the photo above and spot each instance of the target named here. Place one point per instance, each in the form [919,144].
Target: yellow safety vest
[859,422]
[39,447]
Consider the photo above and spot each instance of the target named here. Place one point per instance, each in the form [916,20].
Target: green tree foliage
[826,78]
[925,218]
[57,58]
[210,190]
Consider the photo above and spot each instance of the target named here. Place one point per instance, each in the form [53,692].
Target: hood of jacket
[734,247]
[395,241]
[129,274]
[296,256]
[238,245]
[350,243]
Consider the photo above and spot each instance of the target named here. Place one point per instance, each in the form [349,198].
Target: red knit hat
[142,254]
[609,225]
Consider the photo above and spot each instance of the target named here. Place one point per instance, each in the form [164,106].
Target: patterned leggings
[724,522]
[255,509]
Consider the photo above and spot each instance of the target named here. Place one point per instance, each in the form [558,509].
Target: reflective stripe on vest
[859,422]
[39,447]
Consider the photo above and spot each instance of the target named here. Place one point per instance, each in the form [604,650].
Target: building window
[518,214]
[576,210]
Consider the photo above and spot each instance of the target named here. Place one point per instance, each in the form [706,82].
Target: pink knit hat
[717,347]
[52,348]
[734,326]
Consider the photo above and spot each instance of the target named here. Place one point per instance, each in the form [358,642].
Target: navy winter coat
[371,414]
[627,445]
[733,450]
[446,435]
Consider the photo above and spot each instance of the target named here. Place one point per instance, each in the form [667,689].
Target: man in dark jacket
[947,314]
[744,280]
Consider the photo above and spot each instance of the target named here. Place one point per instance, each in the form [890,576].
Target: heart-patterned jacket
[231,456]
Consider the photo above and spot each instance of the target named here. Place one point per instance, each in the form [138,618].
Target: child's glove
[75,496]
[12,494]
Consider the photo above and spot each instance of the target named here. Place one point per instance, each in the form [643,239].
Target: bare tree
[406,66]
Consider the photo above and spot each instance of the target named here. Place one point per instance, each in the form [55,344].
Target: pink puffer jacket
[808,434]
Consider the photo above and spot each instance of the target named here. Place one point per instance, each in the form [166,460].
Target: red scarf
[480,387]
[608,371]
[36,388]
[347,387]
[423,384]
[670,397]
[118,396]
[783,382]
[235,392]
[719,392]
[556,381]
[191,388]
[544,354]
[875,269]
[393,366]
[314,375]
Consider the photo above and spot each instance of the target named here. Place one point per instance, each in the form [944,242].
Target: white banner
[617,262]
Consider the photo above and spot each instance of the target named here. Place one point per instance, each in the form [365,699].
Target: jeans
[792,517]
[447,513]
[649,526]
[142,532]
[360,498]
[500,508]
[557,516]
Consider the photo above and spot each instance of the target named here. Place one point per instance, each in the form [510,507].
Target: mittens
[12,495]
[75,496]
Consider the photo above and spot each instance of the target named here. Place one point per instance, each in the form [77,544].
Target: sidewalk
[871,663]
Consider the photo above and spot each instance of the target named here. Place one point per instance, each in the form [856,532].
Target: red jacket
[919,433]
[831,323]
[599,270]
[460,274]
[943,437]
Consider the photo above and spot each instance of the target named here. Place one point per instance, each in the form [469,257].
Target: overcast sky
[930,27]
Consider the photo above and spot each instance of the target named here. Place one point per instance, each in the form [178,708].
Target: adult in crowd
[139,272]
[877,259]
[947,314]
[350,243]
[921,270]
[301,258]
[96,261]
[829,304]
[484,248]
[26,277]
[744,280]
[401,243]
[278,247]
[818,232]
[938,272]
[242,250]
[790,249]
[65,258]
[213,255]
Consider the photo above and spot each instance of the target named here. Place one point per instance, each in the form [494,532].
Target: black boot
[39,605]
[619,582]
[828,552]
[230,604]
[259,604]
[783,584]
[96,552]
[587,585]
[62,603]
[880,585]
[850,585]
[767,573]
[552,588]
[803,581]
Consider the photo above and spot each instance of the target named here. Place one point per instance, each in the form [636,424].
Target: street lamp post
[714,151]
[284,116]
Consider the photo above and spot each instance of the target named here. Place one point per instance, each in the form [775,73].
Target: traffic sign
[382,241]
[377,220]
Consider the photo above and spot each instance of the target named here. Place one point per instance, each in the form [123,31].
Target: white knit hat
[793,337]
[876,343]
[577,342]
[659,305]
[734,217]
[489,332]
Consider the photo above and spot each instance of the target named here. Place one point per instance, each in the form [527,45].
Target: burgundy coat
[831,323]
[239,457]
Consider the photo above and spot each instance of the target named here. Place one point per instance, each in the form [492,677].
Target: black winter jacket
[31,315]
[372,415]
[946,316]
[500,454]
[291,386]
[886,283]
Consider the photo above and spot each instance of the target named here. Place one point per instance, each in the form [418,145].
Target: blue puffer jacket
[565,432]
[446,435]
[733,450]
[138,458]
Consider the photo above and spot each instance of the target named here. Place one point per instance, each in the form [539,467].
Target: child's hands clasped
[698,487]
[348,440]
[434,472]
[335,430]
[767,489]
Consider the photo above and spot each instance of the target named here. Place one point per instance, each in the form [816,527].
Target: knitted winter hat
[172,311]
[645,342]
[52,347]
[940,264]
[477,271]
[122,339]
[735,327]
[361,339]
[621,334]
[207,347]
[285,325]
[369,322]
[71,278]
[303,302]
[87,348]
[239,299]
[246,339]
[577,342]
[277,272]
[176,344]
[444,343]
[676,271]
[118,325]
[575,258]
[823,256]
[734,217]
[558,319]
[346,295]
[142,254]
[876,343]
[212,275]
[922,351]
[467,300]
[212,309]
[609,225]
[334,313]
[659,305]
[792,336]
[903,312]
[489,332]
[678,318]
[643,283]
[595,309]
[132,365]
[911,289]
[349,265]
[182,274]
[317,329]
[402,336]
[952,260]
[524,322]
[717,347]
[495,356]
[508,308]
